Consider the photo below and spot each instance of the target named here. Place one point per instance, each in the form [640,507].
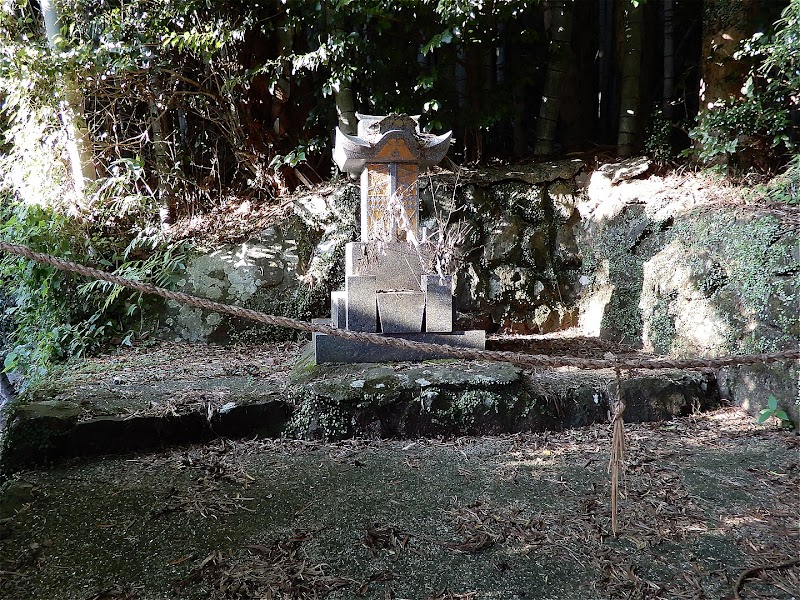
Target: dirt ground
[523,516]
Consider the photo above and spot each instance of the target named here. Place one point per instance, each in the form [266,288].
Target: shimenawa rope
[616,463]
[525,360]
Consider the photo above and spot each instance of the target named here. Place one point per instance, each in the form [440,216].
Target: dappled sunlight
[532,506]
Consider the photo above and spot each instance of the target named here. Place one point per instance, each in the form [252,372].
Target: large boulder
[288,269]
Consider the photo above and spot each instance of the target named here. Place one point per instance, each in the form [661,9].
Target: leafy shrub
[52,315]
[658,143]
[757,130]
[772,410]
[785,188]
[758,124]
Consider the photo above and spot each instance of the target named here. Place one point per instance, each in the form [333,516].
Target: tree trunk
[346,108]
[558,64]
[631,75]
[607,96]
[520,131]
[473,137]
[164,166]
[668,95]
[461,95]
[79,146]
[343,91]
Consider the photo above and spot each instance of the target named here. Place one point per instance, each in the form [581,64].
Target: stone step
[114,404]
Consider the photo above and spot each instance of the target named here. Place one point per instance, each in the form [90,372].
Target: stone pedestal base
[331,349]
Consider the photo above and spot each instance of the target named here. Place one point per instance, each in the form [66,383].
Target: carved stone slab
[330,349]
[438,303]
[397,266]
[339,310]
[362,308]
[401,312]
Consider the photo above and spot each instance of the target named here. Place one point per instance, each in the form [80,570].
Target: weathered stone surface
[508,285]
[395,265]
[751,386]
[532,174]
[166,412]
[388,139]
[535,246]
[627,169]
[288,269]
[386,401]
[339,309]
[517,247]
[438,303]
[362,307]
[135,401]
[330,349]
[475,397]
[36,430]
[389,152]
[683,281]
[55,410]
[401,312]
[503,241]
[234,274]
[667,395]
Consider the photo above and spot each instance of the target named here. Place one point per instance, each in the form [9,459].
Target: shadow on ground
[519,516]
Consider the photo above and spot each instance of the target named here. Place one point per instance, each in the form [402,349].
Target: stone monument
[388,287]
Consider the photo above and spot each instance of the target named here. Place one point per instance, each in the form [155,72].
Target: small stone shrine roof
[393,138]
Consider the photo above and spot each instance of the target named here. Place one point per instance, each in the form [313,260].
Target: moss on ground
[514,517]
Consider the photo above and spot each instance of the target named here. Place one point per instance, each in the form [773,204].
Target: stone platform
[332,349]
[179,394]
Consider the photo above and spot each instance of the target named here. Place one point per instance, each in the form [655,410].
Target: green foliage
[780,53]
[53,315]
[785,188]
[300,153]
[658,143]
[771,411]
[38,294]
[49,315]
[760,122]
[33,140]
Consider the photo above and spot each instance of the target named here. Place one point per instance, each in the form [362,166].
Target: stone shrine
[389,288]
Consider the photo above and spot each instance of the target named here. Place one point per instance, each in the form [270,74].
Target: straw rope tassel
[616,464]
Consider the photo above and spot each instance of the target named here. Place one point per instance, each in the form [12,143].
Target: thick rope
[525,360]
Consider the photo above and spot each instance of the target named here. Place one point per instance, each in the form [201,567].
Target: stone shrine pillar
[388,288]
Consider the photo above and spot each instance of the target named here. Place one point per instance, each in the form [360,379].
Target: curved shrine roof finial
[393,138]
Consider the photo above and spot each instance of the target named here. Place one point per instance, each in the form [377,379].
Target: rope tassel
[616,463]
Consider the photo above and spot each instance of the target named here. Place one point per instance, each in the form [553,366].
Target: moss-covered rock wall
[507,234]
[668,270]
[517,262]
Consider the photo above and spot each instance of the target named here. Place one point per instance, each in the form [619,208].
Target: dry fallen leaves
[269,572]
